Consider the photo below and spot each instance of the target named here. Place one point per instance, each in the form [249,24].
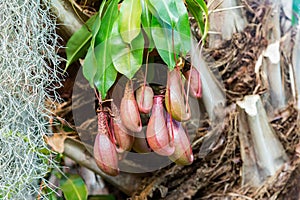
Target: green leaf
[97,25]
[146,15]
[90,66]
[197,9]
[130,20]
[203,6]
[162,36]
[183,28]
[127,58]
[165,10]
[74,188]
[146,23]
[106,73]
[197,13]
[108,20]
[98,68]
[79,43]
[90,62]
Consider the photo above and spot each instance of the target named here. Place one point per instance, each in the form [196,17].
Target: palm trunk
[240,153]
[296,64]
[225,19]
